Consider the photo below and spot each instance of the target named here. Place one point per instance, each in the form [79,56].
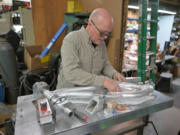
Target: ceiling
[171,2]
[170,5]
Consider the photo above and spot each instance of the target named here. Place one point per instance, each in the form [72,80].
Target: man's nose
[105,37]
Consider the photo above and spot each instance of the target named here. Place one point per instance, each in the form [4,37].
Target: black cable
[21,79]
[153,127]
[47,75]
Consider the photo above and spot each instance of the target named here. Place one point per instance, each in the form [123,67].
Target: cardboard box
[31,56]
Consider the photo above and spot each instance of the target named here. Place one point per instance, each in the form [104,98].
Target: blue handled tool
[53,40]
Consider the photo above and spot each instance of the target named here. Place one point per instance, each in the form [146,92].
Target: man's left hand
[119,77]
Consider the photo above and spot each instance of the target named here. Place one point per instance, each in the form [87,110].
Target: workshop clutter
[48,75]
[6,124]
[40,69]
[70,102]
[32,59]
[131,53]
[133,14]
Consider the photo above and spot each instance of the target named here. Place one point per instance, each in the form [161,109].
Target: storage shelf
[129,40]
[135,30]
[131,30]
[133,19]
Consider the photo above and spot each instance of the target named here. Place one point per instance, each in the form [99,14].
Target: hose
[27,80]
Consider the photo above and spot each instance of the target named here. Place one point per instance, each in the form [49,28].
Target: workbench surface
[27,122]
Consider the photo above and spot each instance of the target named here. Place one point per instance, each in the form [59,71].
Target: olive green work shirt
[82,64]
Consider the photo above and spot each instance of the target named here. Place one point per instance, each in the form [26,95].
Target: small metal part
[44,111]
[95,105]
[152,21]
[80,115]
[112,104]
[45,115]
[38,87]
[43,105]
[108,111]
[133,79]
[65,109]
[61,104]
[149,38]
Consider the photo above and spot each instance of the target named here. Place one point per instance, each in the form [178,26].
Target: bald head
[101,15]
[100,25]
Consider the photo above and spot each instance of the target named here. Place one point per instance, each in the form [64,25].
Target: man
[84,57]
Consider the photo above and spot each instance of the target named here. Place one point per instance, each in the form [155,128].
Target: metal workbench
[166,58]
[27,122]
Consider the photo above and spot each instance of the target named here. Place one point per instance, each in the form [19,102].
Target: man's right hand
[111,85]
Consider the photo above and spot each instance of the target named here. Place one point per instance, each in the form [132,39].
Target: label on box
[45,59]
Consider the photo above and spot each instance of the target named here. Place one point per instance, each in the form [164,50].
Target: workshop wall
[48,16]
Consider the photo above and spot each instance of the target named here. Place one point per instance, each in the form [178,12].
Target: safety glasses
[102,34]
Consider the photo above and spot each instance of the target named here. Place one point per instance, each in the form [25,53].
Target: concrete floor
[167,122]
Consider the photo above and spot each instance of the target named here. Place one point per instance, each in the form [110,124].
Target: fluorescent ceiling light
[167,12]
[133,7]
[160,11]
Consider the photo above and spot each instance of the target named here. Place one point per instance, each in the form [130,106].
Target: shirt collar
[86,35]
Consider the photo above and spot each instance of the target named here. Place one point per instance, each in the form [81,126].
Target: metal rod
[53,40]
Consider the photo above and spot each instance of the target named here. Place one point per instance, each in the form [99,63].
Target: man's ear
[89,22]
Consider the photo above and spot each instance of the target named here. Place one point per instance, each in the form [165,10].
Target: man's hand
[111,85]
[119,77]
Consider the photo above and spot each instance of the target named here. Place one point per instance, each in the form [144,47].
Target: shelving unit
[175,34]
[133,19]
[132,30]
[145,69]
[131,37]
[131,40]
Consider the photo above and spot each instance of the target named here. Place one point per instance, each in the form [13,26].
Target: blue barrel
[1,93]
